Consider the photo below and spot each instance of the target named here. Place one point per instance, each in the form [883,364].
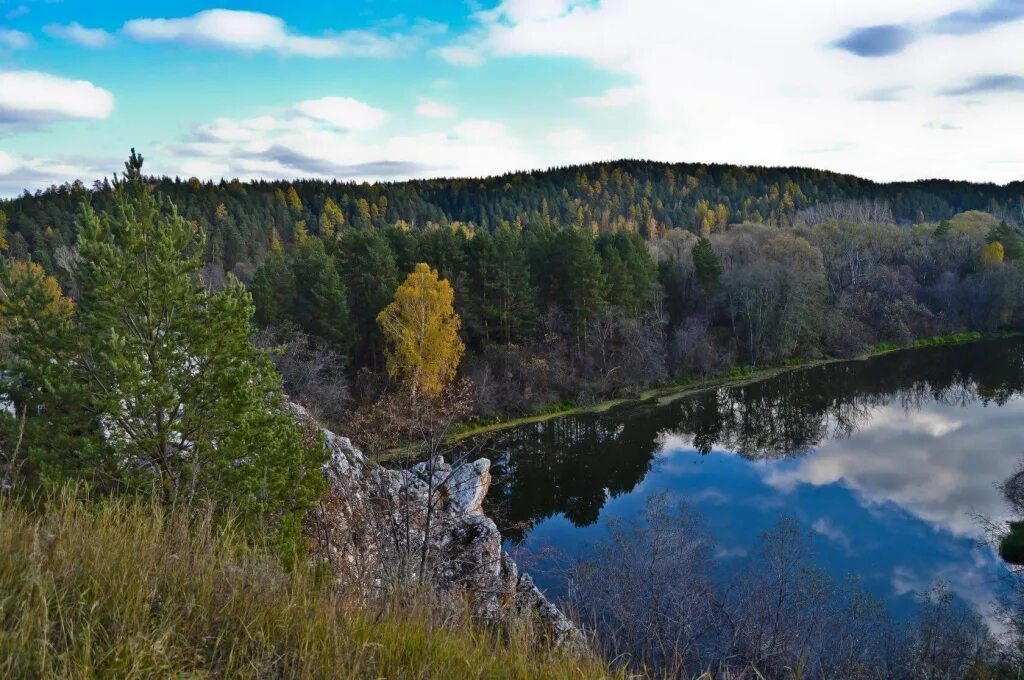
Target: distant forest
[583,282]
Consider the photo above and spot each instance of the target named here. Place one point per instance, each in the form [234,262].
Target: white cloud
[78,34]
[828,529]
[612,98]
[431,108]
[774,91]
[321,141]
[244,31]
[930,478]
[14,40]
[568,137]
[20,173]
[35,97]
[480,130]
[460,55]
[343,112]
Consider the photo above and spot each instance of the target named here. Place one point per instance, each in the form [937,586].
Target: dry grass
[121,589]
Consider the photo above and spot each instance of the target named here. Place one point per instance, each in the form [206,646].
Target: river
[888,463]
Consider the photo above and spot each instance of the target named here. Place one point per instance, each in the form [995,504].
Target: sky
[394,89]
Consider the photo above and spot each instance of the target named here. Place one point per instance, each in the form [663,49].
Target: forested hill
[640,196]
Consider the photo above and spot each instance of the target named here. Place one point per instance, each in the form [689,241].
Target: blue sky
[889,89]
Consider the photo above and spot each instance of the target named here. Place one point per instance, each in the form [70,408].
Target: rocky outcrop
[378,527]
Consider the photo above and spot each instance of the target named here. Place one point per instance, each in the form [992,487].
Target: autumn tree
[332,219]
[992,254]
[421,330]
[3,230]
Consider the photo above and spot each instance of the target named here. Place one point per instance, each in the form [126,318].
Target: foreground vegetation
[123,589]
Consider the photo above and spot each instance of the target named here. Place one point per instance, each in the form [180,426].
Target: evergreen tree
[706,264]
[371,276]
[629,270]
[50,430]
[178,398]
[500,286]
[321,307]
[582,283]
[273,289]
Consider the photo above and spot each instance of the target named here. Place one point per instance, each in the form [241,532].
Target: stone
[378,527]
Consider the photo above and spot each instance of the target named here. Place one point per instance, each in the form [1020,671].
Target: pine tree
[50,430]
[179,400]
[582,282]
[273,289]
[320,307]
[511,286]
[367,265]
[706,264]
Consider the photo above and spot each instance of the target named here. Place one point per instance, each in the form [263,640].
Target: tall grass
[122,589]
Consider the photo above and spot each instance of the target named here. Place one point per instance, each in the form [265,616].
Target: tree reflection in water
[572,465]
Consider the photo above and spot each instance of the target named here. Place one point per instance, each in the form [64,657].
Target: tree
[179,400]
[500,289]
[1010,238]
[992,255]
[582,286]
[367,265]
[294,202]
[629,271]
[706,264]
[421,329]
[320,307]
[36,328]
[3,230]
[273,289]
[331,219]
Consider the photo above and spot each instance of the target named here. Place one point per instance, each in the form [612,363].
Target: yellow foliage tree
[294,202]
[992,254]
[421,329]
[331,219]
[49,299]
[3,231]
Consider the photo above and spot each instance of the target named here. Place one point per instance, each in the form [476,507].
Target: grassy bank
[121,590]
[736,376]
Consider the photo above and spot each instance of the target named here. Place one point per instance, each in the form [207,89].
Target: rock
[377,528]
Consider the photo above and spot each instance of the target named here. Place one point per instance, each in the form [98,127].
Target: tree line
[579,283]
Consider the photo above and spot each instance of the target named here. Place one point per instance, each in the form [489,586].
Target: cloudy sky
[390,89]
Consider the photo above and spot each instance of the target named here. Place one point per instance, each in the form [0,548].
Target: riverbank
[735,377]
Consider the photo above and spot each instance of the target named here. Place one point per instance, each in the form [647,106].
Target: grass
[121,589]
[937,341]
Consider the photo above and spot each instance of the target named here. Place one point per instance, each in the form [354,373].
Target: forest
[576,284]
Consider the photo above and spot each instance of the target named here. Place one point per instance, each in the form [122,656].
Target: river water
[888,464]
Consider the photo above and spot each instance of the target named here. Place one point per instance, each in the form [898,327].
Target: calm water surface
[888,462]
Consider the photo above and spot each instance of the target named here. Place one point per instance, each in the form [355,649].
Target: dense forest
[577,283]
